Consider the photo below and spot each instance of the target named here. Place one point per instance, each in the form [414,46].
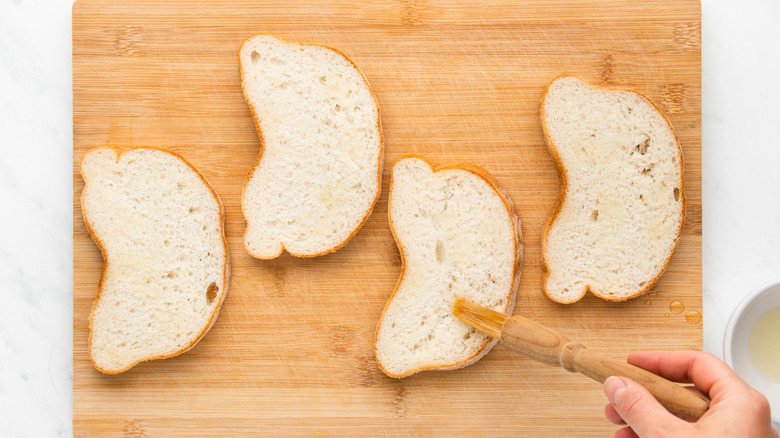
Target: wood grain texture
[460,81]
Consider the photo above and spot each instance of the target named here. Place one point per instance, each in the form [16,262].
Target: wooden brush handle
[548,346]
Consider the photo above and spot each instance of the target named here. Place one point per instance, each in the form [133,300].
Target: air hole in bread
[440,251]
[337,107]
[211,292]
[646,170]
[323,79]
[676,193]
[642,146]
[595,215]
[255,57]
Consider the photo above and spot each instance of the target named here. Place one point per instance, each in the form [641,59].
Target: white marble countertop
[741,163]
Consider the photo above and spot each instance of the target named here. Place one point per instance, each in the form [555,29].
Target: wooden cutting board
[291,352]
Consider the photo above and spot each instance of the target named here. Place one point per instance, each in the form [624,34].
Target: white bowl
[735,343]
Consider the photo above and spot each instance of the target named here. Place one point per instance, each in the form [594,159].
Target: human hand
[736,409]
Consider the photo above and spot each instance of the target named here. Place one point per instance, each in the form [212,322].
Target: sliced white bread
[622,203]
[459,238]
[319,171]
[160,228]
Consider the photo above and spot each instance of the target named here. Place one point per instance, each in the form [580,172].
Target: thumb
[639,409]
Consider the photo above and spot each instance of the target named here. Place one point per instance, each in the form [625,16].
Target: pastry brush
[545,345]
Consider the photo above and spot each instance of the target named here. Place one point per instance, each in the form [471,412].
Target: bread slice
[160,228]
[620,214]
[319,171]
[459,238]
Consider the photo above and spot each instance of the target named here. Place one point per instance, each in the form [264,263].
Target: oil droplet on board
[648,303]
[676,306]
[693,317]
[666,315]
[762,345]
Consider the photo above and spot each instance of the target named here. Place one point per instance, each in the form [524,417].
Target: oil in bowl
[763,345]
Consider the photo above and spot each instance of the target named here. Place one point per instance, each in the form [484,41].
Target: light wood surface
[291,353]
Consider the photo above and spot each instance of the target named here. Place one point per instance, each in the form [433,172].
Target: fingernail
[614,387]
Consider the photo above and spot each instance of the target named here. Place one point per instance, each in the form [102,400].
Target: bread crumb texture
[459,239]
[318,174]
[622,207]
[160,229]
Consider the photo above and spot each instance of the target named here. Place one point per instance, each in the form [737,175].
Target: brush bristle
[481,318]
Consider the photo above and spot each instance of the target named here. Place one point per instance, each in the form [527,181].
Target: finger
[672,365]
[638,408]
[694,390]
[612,415]
[626,432]
[702,369]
